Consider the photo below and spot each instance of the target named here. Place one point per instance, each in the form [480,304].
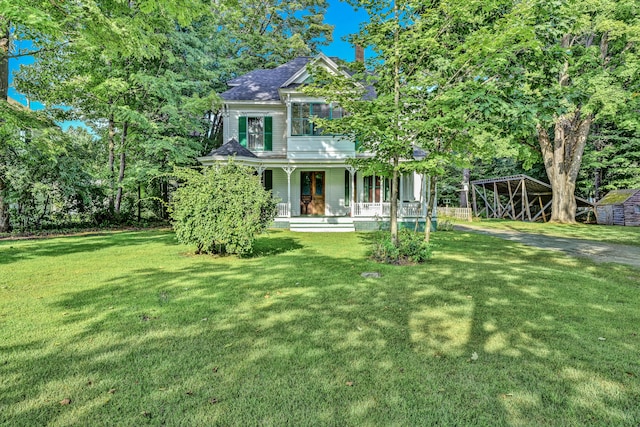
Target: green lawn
[134,330]
[602,233]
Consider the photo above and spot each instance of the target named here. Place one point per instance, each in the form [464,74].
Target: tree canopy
[144,75]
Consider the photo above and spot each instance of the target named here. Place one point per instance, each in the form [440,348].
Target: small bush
[412,249]
[221,210]
[445,225]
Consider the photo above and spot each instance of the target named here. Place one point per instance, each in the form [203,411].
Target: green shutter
[242,131]
[268,134]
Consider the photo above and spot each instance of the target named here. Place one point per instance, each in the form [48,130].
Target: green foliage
[445,225]
[411,248]
[611,162]
[222,209]
[144,75]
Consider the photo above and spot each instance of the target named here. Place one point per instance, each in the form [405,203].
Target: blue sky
[345,21]
[342,16]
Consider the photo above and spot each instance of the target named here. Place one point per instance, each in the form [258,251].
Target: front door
[312,193]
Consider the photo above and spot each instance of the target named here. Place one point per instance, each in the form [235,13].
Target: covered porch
[331,192]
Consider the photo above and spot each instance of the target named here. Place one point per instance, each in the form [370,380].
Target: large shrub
[222,209]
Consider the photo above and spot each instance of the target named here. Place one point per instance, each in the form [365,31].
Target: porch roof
[272,162]
[232,148]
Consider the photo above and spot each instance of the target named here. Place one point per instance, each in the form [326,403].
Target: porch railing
[383,210]
[283,210]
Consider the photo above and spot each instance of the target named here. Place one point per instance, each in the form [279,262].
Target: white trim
[238,102]
[332,66]
[255,113]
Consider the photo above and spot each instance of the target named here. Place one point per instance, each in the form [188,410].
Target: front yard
[131,329]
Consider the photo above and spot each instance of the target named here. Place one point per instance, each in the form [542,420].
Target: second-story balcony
[320,147]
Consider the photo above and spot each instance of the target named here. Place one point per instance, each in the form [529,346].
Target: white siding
[279,114]
[280,184]
[334,197]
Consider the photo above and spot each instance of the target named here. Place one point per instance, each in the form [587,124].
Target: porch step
[324,224]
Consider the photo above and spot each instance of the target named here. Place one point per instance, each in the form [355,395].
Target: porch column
[380,201]
[289,170]
[352,192]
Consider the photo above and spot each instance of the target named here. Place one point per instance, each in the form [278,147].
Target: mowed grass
[134,330]
[601,233]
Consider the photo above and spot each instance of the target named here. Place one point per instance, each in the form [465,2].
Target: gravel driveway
[596,251]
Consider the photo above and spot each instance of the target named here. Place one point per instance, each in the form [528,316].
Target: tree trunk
[394,204]
[4,59]
[464,193]
[4,209]
[123,142]
[597,182]
[431,204]
[562,160]
[396,103]
[4,93]
[112,147]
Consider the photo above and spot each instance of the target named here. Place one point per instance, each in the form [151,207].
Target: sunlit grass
[133,329]
[601,233]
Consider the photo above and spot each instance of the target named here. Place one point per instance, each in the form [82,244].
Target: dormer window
[303,113]
[256,133]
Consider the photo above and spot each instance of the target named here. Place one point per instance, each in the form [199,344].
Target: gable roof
[232,148]
[617,197]
[263,85]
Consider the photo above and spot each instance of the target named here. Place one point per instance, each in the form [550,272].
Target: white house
[268,126]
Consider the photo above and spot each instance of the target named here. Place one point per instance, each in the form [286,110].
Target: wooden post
[475,204]
[496,202]
[525,199]
[542,209]
[513,208]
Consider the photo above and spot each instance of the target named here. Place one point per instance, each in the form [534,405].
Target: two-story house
[268,125]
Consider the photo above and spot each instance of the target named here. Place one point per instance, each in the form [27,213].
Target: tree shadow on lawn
[306,340]
[269,245]
[18,250]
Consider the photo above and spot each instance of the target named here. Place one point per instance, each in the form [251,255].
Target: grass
[601,233]
[134,330]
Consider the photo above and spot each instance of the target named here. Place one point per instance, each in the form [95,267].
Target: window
[303,113]
[256,133]
[637,209]
[377,189]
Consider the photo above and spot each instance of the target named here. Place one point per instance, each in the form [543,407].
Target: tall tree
[375,122]
[611,161]
[90,25]
[148,104]
[566,65]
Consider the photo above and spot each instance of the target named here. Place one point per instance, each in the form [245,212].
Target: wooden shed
[517,197]
[619,207]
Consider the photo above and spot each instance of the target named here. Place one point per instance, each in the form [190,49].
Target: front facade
[268,125]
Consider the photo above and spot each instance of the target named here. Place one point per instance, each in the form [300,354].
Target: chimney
[359,54]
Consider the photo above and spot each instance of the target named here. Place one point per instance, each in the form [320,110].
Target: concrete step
[321,224]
